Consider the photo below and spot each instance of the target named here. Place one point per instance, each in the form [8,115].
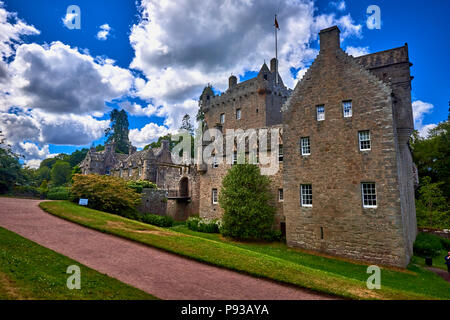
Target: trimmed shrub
[156,220]
[138,185]
[203,225]
[58,193]
[106,193]
[245,199]
[427,245]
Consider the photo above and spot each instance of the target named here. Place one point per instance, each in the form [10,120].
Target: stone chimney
[273,65]
[329,39]
[232,81]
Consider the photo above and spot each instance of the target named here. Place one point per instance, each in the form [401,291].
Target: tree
[157,144]
[118,131]
[187,125]
[10,168]
[245,199]
[432,207]
[61,173]
[77,156]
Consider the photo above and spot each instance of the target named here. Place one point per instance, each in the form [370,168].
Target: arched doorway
[184,187]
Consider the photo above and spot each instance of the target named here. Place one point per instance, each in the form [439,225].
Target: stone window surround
[280,153]
[320,112]
[347,108]
[306,195]
[305,146]
[214,196]
[280,195]
[238,114]
[369,194]
[222,118]
[364,140]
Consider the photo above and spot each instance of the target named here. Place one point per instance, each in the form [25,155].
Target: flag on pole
[276,23]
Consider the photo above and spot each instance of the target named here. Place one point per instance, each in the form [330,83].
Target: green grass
[30,271]
[438,262]
[273,261]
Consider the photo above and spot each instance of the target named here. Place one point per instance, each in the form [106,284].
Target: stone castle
[346,179]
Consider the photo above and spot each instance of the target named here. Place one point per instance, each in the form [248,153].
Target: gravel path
[162,274]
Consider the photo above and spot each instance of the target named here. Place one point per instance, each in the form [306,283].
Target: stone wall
[337,223]
[154,201]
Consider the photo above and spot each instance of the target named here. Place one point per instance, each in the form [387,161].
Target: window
[347,108]
[280,153]
[121,173]
[140,171]
[364,140]
[369,195]
[280,195]
[306,195]
[214,196]
[222,118]
[215,163]
[238,114]
[305,146]
[107,171]
[130,172]
[234,158]
[320,113]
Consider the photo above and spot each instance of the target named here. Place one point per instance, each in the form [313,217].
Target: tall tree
[118,130]
[10,168]
[61,173]
[187,125]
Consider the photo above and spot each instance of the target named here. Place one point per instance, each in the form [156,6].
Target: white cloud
[149,133]
[338,5]
[420,109]
[59,79]
[104,32]
[357,51]
[11,30]
[183,46]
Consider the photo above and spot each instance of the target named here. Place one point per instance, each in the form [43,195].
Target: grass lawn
[30,271]
[273,261]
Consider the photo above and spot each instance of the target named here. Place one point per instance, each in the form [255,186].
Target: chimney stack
[329,39]
[273,65]
[232,81]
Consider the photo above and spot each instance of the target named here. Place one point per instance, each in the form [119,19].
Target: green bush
[138,185]
[445,243]
[427,245]
[203,225]
[245,199]
[160,221]
[58,193]
[106,193]
[27,191]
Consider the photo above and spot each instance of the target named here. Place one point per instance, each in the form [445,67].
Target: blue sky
[165,52]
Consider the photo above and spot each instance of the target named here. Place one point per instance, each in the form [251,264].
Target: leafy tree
[43,173]
[77,156]
[432,207]
[61,173]
[118,131]
[157,144]
[187,125]
[245,199]
[10,168]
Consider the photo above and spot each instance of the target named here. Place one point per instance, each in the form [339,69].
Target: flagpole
[276,52]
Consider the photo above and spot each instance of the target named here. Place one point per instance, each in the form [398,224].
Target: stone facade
[179,182]
[337,221]
[378,87]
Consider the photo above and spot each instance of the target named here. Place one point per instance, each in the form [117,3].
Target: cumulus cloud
[104,32]
[149,133]
[59,79]
[11,31]
[420,109]
[340,5]
[357,51]
[182,46]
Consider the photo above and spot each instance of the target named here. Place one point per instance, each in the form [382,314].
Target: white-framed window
[306,195]
[280,153]
[238,114]
[214,197]
[347,109]
[234,158]
[320,113]
[369,194]
[215,163]
[305,146]
[280,195]
[364,140]
[222,118]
